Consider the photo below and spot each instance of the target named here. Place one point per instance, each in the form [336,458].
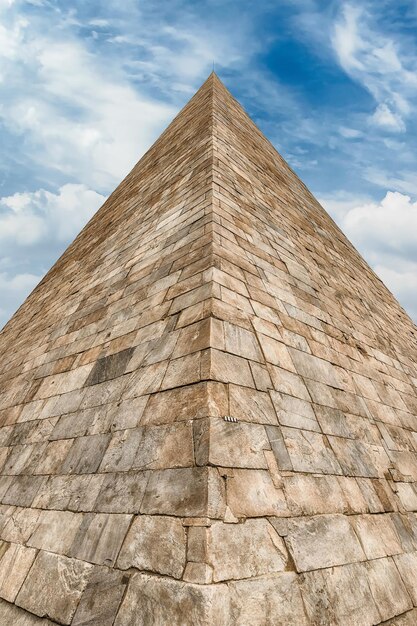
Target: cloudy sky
[86,87]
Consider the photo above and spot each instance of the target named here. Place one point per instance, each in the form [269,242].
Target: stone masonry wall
[208,406]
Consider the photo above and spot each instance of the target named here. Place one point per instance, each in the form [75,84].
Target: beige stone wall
[208,406]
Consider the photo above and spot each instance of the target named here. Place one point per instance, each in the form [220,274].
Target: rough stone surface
[155,543]
[54,586]
[155,601]
[208,407]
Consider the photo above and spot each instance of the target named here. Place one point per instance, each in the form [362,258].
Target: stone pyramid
[208,406]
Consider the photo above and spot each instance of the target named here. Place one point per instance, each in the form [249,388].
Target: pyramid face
[208,407]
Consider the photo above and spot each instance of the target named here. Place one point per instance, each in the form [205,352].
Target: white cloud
[391,224]
[386,118]
[28,218]
[385,233]
[405,182]
[403,284]
[350,133]
[13,290]
[385,67]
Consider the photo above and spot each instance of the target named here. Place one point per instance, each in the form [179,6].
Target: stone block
[55,531]
[314,495]
[268,601]
[198,336]
[145,380]
[100,537]
[193,402]
[377,535]
[252,548]
[316,369]
[339,596]
[249,405]
[241,342]
[101,598]
[11,614]
[18,524]
[122,492]
[22,490]
[121,451]
[407,566]
[53,457]
[310,452]
[54,587]
[309,539]
[230,444]
[128,413]
[228,368]
[294,412]
[166,446]
[276,352]
[150,599]
[187,492]
[200,573]
[251,493]
[387,588]
[85,454]
[109,367]
[155,543]
[278,447]
[15,564]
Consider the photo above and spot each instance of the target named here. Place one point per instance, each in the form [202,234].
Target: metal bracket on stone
[230,418]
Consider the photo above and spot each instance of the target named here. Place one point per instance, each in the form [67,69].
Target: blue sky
[86,87]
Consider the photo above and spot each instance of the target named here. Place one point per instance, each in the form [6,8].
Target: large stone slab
[155,543]
[245,550]
[308,540]
[54,587]
[155,600]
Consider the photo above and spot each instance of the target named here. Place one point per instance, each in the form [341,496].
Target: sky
[87,87]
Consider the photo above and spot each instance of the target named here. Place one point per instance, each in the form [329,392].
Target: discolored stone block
[54,586]
[188,492]
[85,454]
[267,601]
[155,543]
[308,539]
[15,563]
[262,550]
[252,493]
[150,599]
[101,598]
[100,537]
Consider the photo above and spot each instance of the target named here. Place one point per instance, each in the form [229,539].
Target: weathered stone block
[310,452]
[188,492]
[267,601]
[387,588]
[339,596]
[251,493]
[54,586]
[101,598]
[249,405]
[55,531]
[244,550]
[100,537]
[15,563]
[308,540]
[377,535]
[152,599]
[122,492]
[200,400]
[155,543]
[85,455]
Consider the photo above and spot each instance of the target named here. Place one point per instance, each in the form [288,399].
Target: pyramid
[208,406]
